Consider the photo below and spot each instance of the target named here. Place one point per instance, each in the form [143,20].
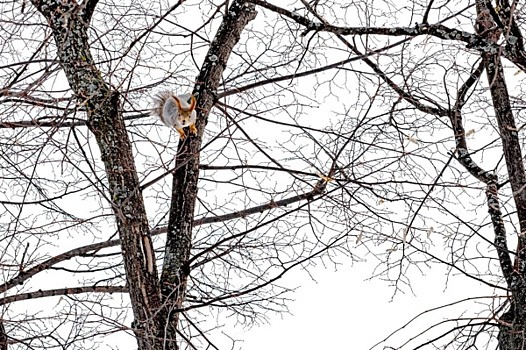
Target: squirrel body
[177,111]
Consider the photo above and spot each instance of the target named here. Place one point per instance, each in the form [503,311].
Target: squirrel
[175,111]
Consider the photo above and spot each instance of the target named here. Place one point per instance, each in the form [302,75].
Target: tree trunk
[512,324]
[155,326]
[69,23]
[184,188]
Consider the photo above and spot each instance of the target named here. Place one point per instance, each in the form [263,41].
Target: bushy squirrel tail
[158,104]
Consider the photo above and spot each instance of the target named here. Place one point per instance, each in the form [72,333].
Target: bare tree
[327,131]
[83,152]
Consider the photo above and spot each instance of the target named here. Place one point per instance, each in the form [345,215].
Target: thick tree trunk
[155,325]
[184,189]
[69,23]
[512,335]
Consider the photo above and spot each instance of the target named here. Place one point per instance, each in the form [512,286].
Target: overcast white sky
[343,310]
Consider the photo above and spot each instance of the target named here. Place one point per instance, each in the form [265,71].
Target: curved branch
[455,117]
[487,177]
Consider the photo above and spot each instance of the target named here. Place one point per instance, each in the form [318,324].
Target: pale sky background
[340,310]
[346,311]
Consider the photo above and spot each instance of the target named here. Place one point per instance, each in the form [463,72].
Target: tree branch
[499,229]
[438,30]
[236,90]
[62,291]
[88,8]
[508,130]
[455,117]
[339,32]
[487,177]
[3,336]
[25,275]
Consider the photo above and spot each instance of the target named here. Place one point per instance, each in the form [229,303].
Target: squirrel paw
[181,133]
[193,129]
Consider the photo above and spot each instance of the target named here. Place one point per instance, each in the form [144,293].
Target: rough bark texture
[184,189]
[512,334]
[3,337]
[155,325]
[69,23]
[487,177]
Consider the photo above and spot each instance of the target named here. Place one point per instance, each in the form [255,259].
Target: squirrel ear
[193,102]
[177,102]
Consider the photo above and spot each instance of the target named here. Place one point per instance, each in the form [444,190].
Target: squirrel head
[185,113]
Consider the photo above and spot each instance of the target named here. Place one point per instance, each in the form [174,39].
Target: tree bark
[156,316]
[512,335]
[3,336]
[175,270]
[69,23]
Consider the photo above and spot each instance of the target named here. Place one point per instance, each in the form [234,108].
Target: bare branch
[62,291]
[25,275]
[438,30]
